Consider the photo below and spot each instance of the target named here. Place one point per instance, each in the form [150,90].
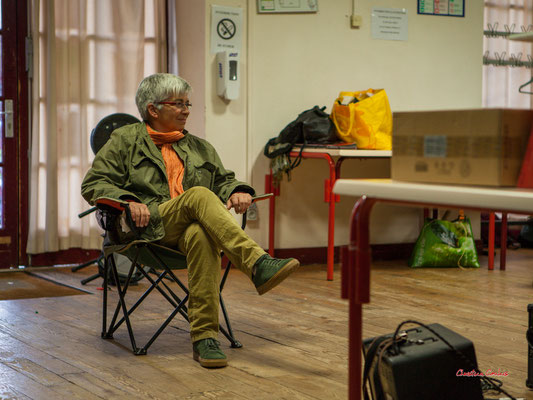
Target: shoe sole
[280,276]
[210,363]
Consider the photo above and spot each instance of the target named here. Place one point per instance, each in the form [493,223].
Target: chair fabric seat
[172,258]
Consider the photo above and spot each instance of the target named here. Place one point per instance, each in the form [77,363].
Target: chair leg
[176,300]
[172,298]
[140,300]
[86,264]
[122,301]
[113,326]
[90,279]
[178,308]
[165,324]
[105,333]
[229,333]
[225,276]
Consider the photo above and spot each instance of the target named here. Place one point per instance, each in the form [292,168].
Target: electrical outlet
[356,21]
[252,213]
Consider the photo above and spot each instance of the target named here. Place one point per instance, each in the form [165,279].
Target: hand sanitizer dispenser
[228,79]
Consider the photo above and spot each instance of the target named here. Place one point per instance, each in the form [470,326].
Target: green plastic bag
[445,244]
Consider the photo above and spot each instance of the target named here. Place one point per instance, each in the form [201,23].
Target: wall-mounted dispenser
[228,79]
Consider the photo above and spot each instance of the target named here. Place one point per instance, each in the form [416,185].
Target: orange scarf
[173,163]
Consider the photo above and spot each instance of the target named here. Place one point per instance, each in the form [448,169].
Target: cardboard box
[471,147]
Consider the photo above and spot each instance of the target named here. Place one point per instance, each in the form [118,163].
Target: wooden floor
[295,337]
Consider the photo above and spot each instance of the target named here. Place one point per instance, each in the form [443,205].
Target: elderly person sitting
[179,194]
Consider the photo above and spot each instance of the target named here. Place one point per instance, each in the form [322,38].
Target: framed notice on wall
[287,6]
[448,8]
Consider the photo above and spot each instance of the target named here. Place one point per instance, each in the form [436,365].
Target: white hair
[159,87]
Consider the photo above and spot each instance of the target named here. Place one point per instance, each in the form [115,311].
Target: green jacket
[130,166]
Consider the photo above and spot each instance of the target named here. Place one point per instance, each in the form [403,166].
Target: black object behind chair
[103,130]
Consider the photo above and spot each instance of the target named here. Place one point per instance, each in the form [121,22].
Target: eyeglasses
[178,104]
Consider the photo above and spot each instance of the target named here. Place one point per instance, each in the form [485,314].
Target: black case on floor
[529,336]
[426,368]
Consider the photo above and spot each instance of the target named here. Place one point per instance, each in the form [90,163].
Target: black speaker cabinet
[425,368]
[529,336]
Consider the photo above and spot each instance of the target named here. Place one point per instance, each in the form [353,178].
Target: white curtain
[501,83]
[89,57]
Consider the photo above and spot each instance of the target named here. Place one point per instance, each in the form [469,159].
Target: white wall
[222,123]
[227,121]
[290,62]
[191,35]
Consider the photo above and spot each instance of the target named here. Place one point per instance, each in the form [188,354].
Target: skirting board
[380,252]
[306,255]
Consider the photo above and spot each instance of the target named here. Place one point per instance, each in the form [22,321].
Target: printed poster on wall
[449,8]
[389,23]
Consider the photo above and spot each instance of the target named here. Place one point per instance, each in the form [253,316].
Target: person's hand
[139,213]
[240,202]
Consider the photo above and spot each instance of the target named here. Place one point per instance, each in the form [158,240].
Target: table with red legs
[335,157]
[355,284]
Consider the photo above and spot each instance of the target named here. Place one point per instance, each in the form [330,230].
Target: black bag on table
[312,126]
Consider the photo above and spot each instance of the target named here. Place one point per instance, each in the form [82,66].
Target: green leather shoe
[207,352]
[270,272]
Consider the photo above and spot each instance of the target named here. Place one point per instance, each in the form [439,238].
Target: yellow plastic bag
[365,120]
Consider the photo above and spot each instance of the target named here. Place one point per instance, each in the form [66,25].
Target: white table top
[498,199]
[346,152]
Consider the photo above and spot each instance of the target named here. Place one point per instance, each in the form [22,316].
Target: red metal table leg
[503,242]
[491,240]
[330,198]
[331,235]
[269,188]
[357,271]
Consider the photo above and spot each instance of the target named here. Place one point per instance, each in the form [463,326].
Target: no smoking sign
[226,28]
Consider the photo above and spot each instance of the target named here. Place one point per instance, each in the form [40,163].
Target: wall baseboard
[380,252]
[70,256]
[318,255]
[306,255]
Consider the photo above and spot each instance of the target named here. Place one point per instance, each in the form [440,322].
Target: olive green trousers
[199,225]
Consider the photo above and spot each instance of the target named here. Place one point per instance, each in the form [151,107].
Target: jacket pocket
[147,177]
[204,175]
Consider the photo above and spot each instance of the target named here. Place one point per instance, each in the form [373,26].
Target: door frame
[24,52]
[15,82]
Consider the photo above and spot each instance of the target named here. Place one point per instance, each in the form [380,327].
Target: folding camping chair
[145,254]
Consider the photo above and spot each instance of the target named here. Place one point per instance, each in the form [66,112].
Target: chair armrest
[113,206]
[87,212]
[112,211]
[262,197]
